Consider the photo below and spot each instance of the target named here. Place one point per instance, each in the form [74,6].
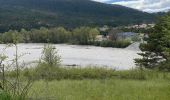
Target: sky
[144,5]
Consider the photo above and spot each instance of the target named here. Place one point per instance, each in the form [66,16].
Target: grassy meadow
[93,83]
[108,89]
[49,80]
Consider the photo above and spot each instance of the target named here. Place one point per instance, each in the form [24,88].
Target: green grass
[109,89]
[4,95]
[93,83]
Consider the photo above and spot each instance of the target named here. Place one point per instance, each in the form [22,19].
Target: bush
[50,56]
[106,43]
[59,73]
[132,74]
[164,66]
[115,44]
[121,44]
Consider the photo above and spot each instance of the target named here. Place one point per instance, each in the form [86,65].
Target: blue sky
[144,5]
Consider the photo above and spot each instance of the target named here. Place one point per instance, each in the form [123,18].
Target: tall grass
[95,83]
[107,89]
[78,73]
[4,95]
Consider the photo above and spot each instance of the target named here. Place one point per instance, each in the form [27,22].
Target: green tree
[11,36]
[59,35]
[26,35]
[93,33]
[81,35]
[39,36]
[50,62]
[50,56]
[156,50]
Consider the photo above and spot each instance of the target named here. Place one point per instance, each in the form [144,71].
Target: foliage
[109,43]
[60,73]
[156,50]
[44,71]
[49,63]
[12,87]
[84,35]
[137,30]
[18,14]
[11,37]
[72,80]
[136,37]
[103,89]
[80,36]
[50,56]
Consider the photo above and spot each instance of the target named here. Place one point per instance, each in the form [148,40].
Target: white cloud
[144,5]
[147,5]
[101,0]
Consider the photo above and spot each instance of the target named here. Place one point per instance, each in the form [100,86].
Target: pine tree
[156,49]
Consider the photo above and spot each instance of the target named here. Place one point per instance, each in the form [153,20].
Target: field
[49,80]
[108,89]
[94,84]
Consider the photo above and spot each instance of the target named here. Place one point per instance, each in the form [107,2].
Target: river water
[79,55]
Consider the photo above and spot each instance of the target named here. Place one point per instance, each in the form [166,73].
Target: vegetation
[18,14]
[117,44]
[156,49]
[80,36]
[4,96]
[13,88]
[92,83]
[138,30]
[53,81]
[83,35]
[109,89]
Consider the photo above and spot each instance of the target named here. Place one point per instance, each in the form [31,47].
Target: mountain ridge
[17,14]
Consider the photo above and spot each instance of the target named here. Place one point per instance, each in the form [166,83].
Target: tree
[26,35]
[81,35]
[39,36]
[156,50]
[93,33]
[114,34]
[58,35]
[50,56]
[49,64]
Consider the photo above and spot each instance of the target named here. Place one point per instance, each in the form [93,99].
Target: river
[116,58]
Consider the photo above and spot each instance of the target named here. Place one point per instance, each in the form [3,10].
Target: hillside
[17,14]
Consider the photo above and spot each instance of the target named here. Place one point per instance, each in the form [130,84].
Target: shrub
[59,73]
[50,56]
[116,44]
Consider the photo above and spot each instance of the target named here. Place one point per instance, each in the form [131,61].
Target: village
[114,34]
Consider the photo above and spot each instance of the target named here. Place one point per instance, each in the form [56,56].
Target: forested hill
[17,14]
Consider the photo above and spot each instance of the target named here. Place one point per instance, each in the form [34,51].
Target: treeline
[80,36]
[83,35]
[138,30]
